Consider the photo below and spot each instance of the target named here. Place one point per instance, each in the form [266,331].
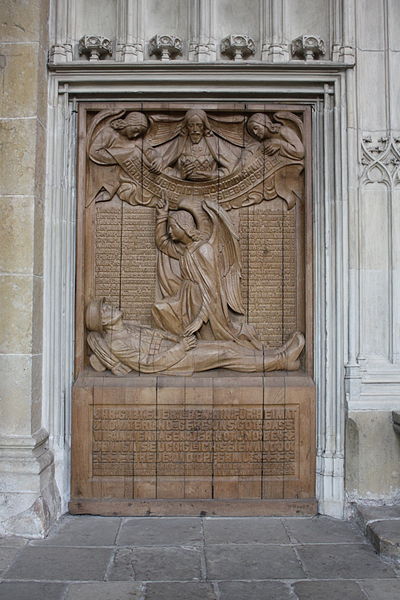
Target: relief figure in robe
[122,348]
[197,154]
[278,140]
[200,299]
[122,137]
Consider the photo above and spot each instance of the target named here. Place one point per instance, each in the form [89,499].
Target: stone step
[381,525]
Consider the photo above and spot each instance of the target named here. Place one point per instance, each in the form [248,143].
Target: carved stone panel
[194,255]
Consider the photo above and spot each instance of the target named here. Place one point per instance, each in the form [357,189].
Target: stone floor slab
[12,542]
[156,564]
[105,591]
[179,591]
[62,564]
[238,530]
[331,590]
[385,536]
[383,589]
[244,561]
[378,513]
[31,591]
[254,590]
[343,561]
[7,556]
[155,531]
[323,529]
[83,531]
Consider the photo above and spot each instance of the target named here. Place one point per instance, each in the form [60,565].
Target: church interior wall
[354,90]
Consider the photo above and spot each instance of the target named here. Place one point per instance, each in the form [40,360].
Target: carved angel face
[176,232]
[132,131]
[195,128]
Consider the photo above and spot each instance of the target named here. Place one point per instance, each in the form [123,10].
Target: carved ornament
[165,47]
[238,46]
[308,47]
[381,159]
[95,47]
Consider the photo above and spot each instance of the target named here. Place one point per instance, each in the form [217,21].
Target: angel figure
[279,138]
[199,299]
[120,137]
[199,150]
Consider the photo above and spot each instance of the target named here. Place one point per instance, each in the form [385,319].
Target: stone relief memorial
[193,259]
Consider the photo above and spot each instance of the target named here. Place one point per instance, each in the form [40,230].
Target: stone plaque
[194,237]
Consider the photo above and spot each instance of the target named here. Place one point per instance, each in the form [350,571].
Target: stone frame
[322,87]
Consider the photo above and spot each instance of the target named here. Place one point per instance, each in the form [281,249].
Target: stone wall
[28,500]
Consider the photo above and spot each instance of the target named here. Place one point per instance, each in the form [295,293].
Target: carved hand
[156,165]
[194,326]
[189,342]
[272,147]
[162,206]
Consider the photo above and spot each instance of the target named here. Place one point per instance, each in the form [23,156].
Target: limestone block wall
[28,498]
[373,367]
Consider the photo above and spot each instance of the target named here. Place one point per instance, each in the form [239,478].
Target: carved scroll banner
[194,312]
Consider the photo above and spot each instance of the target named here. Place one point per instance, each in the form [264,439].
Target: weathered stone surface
[381,590]
[64,564]
[12,541]
[7,556]
[19,81]
[239,530]
[254,590]
[165,531]
[343,561]
[179,591]
[241,561]
[332,590]
[105,591]
[156,564]
[19,20]
[31,591]
[319,529]
[16,318]
[16,231]
[17,171]
[83,531]
[385,536]
[16,382]
[364,513]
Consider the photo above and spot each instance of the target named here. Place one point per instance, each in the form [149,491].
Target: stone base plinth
[215,444]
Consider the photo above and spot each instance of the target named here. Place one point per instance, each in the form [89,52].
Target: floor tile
[154,531]
[254,590]
[329,590]
[343,561]
[244,530]
[118,590]
[63,564]
[31,590]
[323,529]
[387,589]
[7,556]
[243,561]
[82,531]
[156,564]
[179,591]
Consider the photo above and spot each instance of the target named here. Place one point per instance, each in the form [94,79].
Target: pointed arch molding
[324,88]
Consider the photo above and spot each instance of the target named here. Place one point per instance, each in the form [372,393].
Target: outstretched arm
[163,240]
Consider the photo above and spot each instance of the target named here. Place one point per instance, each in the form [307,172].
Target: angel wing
[225,241]
[290,120]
